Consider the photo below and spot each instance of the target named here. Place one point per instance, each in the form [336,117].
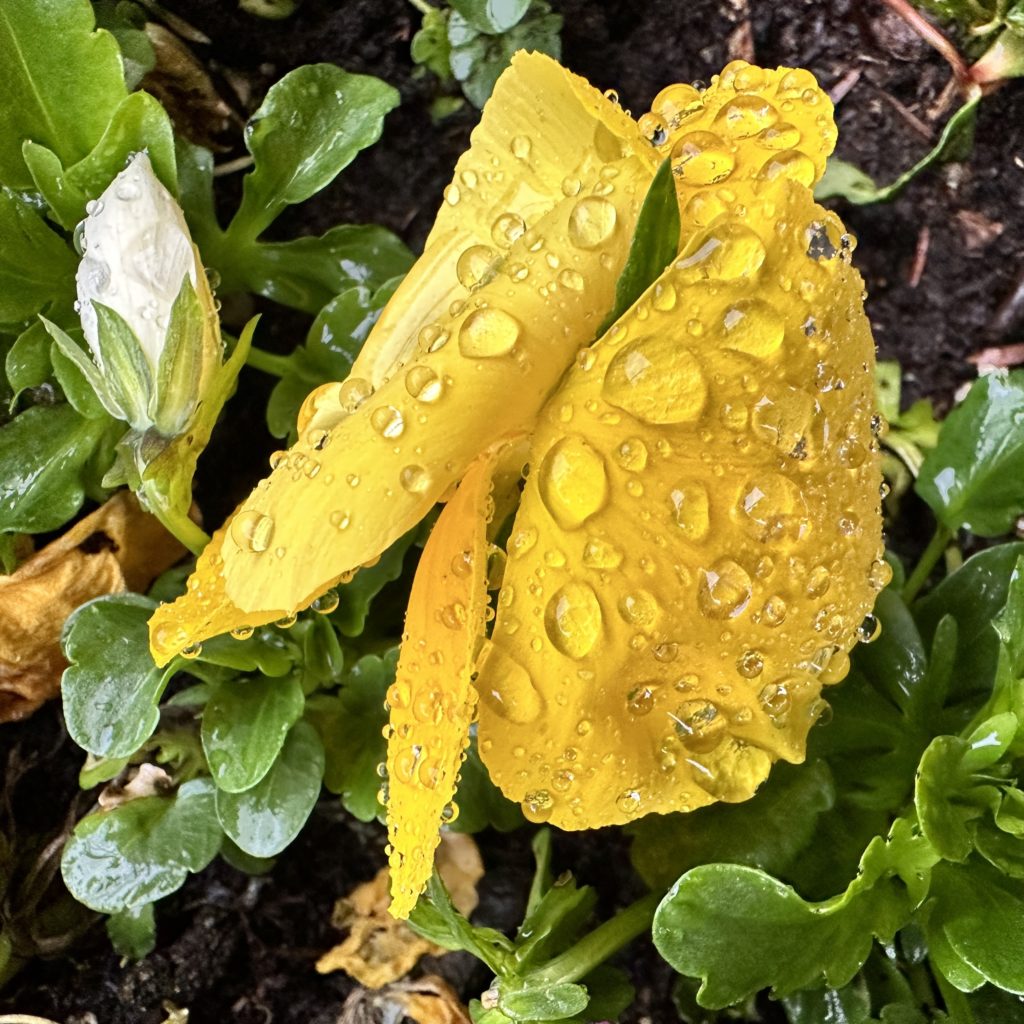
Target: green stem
[186,531]
[268,362]
[594,949]
[422,6]
[936,546]
[957,1006]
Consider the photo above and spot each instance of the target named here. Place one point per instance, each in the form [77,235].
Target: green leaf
[356,596]
[310,126]
[36,266]
[740,930]
[430,47]
[142,850]
[492,16]
[132,932]
[842,180]
[28,360]
[766,832]
[306,273]
[139,123]
[350,724]
[974,477]
[244,728]
[980,913]
[62,82]
[125,367]
[267,651]
[112,687]
[655,244]
[80,378]
[44,456]
[553,1002]
[477,58]
[1009,623]
[480,803]
[266,818]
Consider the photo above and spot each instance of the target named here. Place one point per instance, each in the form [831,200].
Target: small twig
[839,91]
[909,116]
[1009,314]
[231,166]
[934,38]
[998,357]
[924,238]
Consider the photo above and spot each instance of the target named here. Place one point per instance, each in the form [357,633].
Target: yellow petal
[371,462]
[432,699]
[698,539]
[749,126]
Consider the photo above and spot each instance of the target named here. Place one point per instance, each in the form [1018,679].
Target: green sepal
[86,367]
[124,365]
[179,373]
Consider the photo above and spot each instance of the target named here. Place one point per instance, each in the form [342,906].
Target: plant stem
[186,531]
[936,546]
[603,942]
[422,6]
[267,362]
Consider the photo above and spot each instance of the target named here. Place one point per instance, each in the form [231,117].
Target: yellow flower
[698,537]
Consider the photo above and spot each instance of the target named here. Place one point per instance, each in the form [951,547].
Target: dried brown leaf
[379,948]
[118,547]
[428,1000]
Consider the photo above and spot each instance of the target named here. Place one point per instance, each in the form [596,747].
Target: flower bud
[146,308]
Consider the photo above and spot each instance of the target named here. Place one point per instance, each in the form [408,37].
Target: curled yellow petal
[750,126]
[466,352]
[432,699]
[698,538]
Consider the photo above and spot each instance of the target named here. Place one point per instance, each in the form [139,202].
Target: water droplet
[191,651]
[242,632]
[723,253]
[423,384]
[880,574]
[790,164]
[750,664]
[520,147]
[506,686]
[776,700]
[488,332]
[287,621]
[432,338]
[690,508]
[773,612]
[600,554]
[476,266]
[326,602]
[340,519]
[573,481]
[699,725]
[538,805]
[753,327]
[591,222]
[571,187]
[127,188]
[869,630]
[656,380]
[632,454]
[521,541]
[573,620]
[388,421]
[746,116]
[628,802]
[664,297]
[571,279]
[639,608]
[507,229]
[676,103]
[353,392]
[701,158]
[818,581]
[415,479]
[252,530]
[724,590]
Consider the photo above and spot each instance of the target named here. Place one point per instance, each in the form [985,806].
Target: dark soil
[938,262]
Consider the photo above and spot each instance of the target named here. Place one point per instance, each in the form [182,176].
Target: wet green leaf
[310,126]
[44,467]
[62,82]
[27,364]
[265,819]
[553,1002]
[142,850]
[974,477]
[36,266]
[132,932]
[655,243]
[430,47]
[244,728]
[112,687]
[491,16]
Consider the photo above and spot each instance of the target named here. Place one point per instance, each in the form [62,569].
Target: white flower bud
[137,252]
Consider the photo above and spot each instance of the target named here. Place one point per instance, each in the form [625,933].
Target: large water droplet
[591,222]
[423,384]
[415,479]
[476,266]
[573,482]
[746,116]
[488,332]
[601,554]
[353,392]
[657,380]
[676,103]
[505,685]
[701,158]
[723,253]
[639,608]
[724,590]
[753,327]
[573,620]
[690,508]
[699,725]
[252,530]
[387,421]
[507,228]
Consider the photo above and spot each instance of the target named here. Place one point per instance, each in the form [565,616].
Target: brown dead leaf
[977,230]
[380,949]
[147,780]
[184,87]
[428,1000]
[118,547]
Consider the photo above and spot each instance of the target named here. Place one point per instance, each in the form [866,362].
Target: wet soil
[938,262]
